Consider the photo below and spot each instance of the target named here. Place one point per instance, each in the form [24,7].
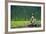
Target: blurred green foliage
[22,13]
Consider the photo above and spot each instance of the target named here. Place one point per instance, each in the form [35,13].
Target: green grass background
[21,24]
